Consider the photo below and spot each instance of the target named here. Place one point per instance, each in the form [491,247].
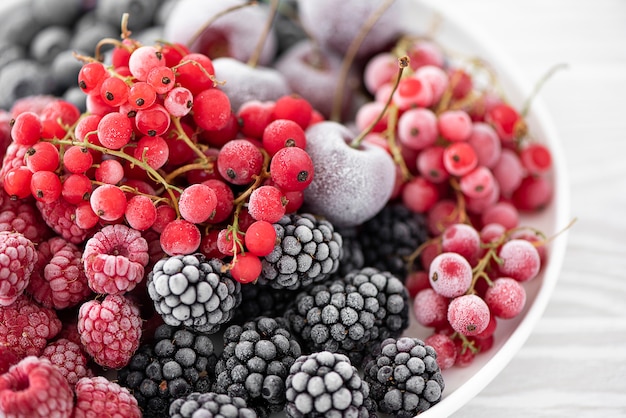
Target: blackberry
[262,300]
[209,405]
[255,362]
[326,384]
[350,315]
[178,362]
[390,237]
[404,377]
[353,257]
[308,251]
[193,291]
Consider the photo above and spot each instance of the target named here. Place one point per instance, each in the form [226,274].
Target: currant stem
[542,81]
[213,18]
[393,146]
[403,62]
[122,155]
[353,49]
[254,58]
[183,135]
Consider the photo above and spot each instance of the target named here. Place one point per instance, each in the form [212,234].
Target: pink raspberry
[23,216]
[59,280]
[26,326]
[60,215]
[97,396]
[114,259]
[35,388]
[17,259]
[69,359]
[110,330]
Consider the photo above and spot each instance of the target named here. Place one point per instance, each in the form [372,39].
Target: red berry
[468,314]
[17,260]
[291,169]
[98,396]
[246,268]
[180,237]
[110,330]
[450,274]
[35,388]
[260,238]
[26,327]
[68,357]
[114,259]
[197,203]
[505,297]
[58,280]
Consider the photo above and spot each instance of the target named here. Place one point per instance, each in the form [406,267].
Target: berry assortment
[188,245]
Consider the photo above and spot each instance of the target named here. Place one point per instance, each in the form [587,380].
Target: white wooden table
[574,362]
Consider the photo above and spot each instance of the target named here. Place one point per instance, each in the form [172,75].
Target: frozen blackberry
[308,251]
[404,377]
[193,291]
[390,237]
[176,363]
[262,300]
[326,384]
[255,363]
[350,315]
[209,405]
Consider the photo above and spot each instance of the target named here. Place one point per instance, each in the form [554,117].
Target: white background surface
[574,362]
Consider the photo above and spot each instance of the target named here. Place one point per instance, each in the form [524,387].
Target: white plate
[462,384]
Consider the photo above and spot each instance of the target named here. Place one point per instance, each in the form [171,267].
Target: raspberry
[69,359]
[17,259]
[58,280]
[35,388]
[110,330]
[61,217]
[97,396]
[23,216]
[404,377]
[193,291]
[26,326]
[114,259]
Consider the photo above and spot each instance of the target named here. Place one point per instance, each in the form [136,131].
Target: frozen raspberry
[17,259]
[110,330]
[26,326]
[7,359]
[58,280]
[35,388]
[114,259]
[69,359]
[14,157]
[61,217]
[23,216]
[97,396]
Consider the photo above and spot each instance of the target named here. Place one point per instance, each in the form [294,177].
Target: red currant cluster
[465,161]
[455,137]
[160,149]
